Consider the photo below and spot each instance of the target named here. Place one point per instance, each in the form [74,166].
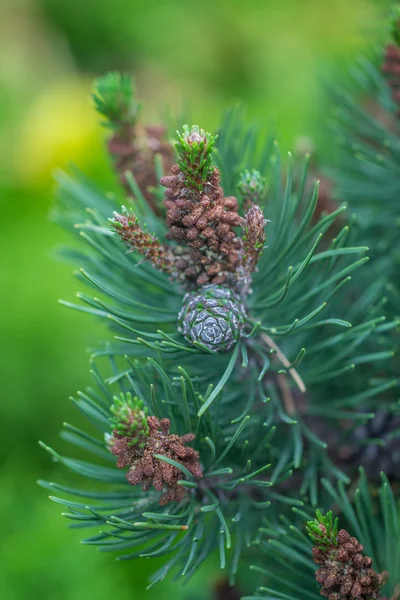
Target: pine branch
[235,389]
[286,363]
[210,495]
[143,308]
[287,555]
[368,158]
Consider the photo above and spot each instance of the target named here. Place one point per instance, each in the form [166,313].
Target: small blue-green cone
[213,316]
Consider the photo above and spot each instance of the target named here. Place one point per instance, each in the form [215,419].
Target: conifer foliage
[249,351]
[353,556]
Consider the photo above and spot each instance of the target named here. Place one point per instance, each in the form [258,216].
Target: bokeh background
[273,55]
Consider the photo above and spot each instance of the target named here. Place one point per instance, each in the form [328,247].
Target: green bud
[130,418]
[115,99]
[194,149]
[323,529]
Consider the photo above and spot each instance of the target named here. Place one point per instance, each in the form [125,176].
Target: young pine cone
[212,316]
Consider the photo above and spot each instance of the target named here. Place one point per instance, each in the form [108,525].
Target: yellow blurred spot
[60,126]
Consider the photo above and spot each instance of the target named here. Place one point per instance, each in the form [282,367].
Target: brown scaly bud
[126,226]
[253,237]
[134,150]
[132,146]
[391,69]
[199,216]
[344,573]
[146,468]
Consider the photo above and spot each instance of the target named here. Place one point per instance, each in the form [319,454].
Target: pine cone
[212,316]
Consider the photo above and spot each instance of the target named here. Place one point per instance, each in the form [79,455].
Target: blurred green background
[270,54]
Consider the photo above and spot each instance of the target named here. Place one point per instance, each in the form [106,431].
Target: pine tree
[249,347]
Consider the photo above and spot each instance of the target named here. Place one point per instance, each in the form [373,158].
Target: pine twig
[287,396]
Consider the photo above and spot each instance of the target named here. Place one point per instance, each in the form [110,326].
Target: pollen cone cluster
[141,455]
[345,573]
